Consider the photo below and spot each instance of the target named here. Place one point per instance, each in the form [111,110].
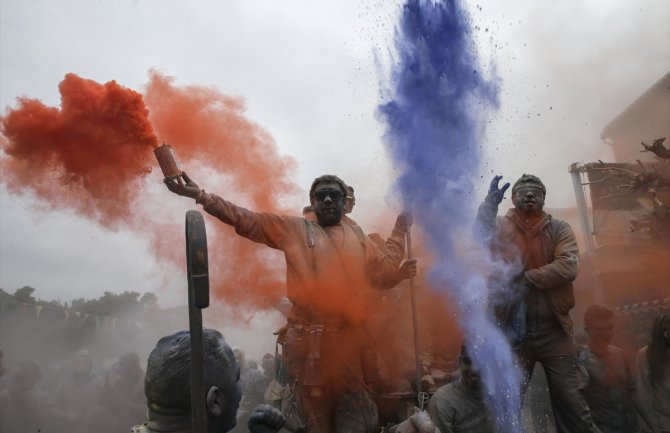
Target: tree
[25,294]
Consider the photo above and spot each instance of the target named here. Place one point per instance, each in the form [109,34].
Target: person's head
[659,348]
[167,384]
[469,375]
[25,377]
[82,364]
[528,194]
[268,362]
[240,358]
[599,326]
[327,197]
[129,366]
[350,200]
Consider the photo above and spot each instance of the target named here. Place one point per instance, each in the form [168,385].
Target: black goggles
[334,194]
[526,189]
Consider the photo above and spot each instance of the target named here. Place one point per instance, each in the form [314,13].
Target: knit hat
[529,180]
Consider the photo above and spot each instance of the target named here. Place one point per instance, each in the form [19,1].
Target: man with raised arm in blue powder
[532,303]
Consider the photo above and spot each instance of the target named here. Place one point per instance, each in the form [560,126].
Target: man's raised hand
[404,221]
[496,194]
[186,187]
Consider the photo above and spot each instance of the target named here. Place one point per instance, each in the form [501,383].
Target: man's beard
[328,217]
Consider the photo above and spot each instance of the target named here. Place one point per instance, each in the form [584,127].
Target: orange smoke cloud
[86,156]
[208,128]
[91,155]
[210,133]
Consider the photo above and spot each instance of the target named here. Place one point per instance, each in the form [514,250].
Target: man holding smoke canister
[532,305]
[329,265]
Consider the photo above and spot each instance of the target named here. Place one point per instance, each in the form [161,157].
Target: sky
[308,74]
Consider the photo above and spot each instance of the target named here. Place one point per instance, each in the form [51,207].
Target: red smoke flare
[208,128]
[87,156]
[210,134]
[91,155]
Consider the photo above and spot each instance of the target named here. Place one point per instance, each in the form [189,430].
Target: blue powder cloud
[438,101]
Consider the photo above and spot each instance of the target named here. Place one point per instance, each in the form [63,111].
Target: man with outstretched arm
[329,266]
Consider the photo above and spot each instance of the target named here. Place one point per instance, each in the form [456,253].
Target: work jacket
[327,268]
[548,254]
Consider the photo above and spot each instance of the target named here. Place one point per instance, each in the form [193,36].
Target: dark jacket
[548,253]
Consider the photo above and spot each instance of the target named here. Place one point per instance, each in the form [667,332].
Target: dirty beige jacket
[327,268]
[548,254]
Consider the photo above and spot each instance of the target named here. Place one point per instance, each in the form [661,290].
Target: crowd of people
[84,398]
[330,371]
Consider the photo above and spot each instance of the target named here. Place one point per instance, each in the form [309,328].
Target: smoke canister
[167,162]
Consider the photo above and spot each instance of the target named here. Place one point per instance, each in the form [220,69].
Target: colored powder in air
[210,128]
[231,156]
[435,112]
[93,153]
[89,155]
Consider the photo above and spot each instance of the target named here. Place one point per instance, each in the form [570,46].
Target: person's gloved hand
[407,269]
[404,221]
[265,419]
[186,188]
[496,194]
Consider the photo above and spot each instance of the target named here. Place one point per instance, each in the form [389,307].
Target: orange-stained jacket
[327,268]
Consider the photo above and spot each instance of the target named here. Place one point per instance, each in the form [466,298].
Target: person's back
[167,386]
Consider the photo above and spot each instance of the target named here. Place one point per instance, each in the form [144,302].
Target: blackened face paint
[328,203]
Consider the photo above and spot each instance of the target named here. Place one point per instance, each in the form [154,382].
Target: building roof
[653,104]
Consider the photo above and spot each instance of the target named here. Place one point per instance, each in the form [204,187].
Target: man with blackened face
[328,200]
[329,266]
[529,199]
[532,295]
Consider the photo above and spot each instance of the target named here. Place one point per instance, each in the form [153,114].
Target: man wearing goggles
[540,252]
[329,267]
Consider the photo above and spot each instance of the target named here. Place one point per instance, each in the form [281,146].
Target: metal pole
[198,298]
[417,354]
[576,170]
